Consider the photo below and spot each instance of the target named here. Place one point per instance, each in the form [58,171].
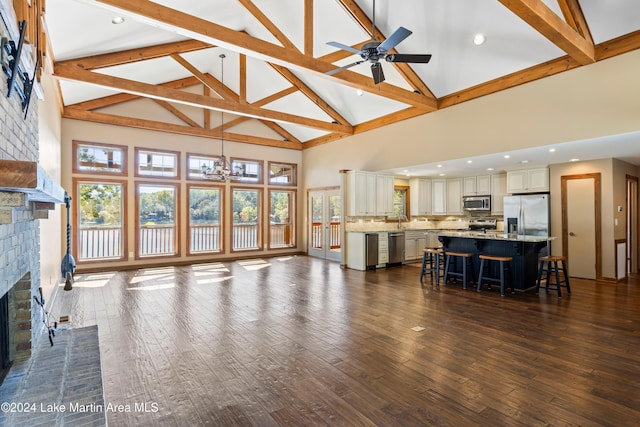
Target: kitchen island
[524,250]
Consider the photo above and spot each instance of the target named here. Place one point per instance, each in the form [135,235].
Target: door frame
[631,251]
[597,216]
[326,249]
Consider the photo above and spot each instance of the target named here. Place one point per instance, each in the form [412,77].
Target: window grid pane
[157,226]
[100,230]
[157,164]
[99,159]
[204,220]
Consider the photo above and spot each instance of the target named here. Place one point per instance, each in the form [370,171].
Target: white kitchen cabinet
[498,191]
[438,196]
[369,194]
[384,195]
[476,185]
[454,196]
[420,196]
[528,181]
[414,244]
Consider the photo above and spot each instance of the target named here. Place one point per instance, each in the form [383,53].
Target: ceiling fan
[374,50]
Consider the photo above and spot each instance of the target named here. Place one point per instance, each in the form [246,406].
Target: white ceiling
[443,28]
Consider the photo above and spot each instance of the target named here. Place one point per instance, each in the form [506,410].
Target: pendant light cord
[222,56]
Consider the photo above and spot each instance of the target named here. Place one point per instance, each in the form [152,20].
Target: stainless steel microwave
[476,203]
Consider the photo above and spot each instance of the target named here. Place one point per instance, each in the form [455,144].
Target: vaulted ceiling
[161,69]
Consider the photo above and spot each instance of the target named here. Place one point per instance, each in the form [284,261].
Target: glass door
[325,227]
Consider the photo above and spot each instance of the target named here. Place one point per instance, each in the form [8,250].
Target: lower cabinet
[414,244]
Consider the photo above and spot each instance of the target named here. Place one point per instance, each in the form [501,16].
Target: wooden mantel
[31,179]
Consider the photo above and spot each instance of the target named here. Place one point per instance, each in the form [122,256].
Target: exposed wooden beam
[209,32]
[281,131]
[90,116]
[243,79]
[119,98]
[206,79]
[74,73]
[135,55]
[205,111]
[309,93]
[608,49]
[546,22]
[308,27]
[266,22]
[176,112]
[572,12]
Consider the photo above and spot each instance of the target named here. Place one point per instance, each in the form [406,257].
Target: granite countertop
[495,236]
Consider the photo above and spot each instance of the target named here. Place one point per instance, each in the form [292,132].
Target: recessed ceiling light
[469,161]
[524,161]
[117,20]
[574,160]
[441,174]
[479,38]
[489,169]
[552,150]
[439,166]
[506,156]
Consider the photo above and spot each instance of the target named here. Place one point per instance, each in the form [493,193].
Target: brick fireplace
[21,325]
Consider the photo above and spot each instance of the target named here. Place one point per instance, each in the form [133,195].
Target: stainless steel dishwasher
[396,247]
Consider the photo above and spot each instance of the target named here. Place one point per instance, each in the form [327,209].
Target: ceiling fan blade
[344,47]
[337,70]
[376,71]
[394,39]
[399,57]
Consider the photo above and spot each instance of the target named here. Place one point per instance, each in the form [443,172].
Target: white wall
[51,249]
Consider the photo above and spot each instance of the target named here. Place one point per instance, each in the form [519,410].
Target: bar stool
[467,261]
[504,267]
[549,265]
[432,259]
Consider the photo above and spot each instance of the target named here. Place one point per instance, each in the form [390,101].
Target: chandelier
[221,169]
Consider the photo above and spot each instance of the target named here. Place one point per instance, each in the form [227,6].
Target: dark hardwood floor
[300,341]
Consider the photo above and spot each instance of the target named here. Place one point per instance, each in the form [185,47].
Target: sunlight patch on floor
[210,267]
[254,264]
[206,281]
[153,287]
[136,280]
[154,271]
[91,280]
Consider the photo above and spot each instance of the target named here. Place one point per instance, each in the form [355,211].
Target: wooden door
[581,227]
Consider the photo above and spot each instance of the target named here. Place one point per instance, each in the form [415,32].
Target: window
[157,164]
[157,223]
[101,158]
[281,219]
[195,162]
[205,225]
[245,230]
[101,233]
[282,173]
[249,171]
[400,202]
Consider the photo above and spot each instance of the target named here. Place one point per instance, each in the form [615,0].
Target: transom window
[196,162]
[162,164]
[282,173]
[101,158]
[246,170]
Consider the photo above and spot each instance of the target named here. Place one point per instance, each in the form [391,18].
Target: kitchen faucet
[400,218]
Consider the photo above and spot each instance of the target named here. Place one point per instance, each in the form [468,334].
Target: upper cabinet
[438,196]
[498,191]
[454,196]
[477,185]
[369,194]
[420,200]
[528,181]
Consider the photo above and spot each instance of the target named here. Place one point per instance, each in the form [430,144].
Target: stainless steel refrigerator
[527,214]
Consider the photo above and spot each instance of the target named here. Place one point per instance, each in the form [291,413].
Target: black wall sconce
[10,59]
